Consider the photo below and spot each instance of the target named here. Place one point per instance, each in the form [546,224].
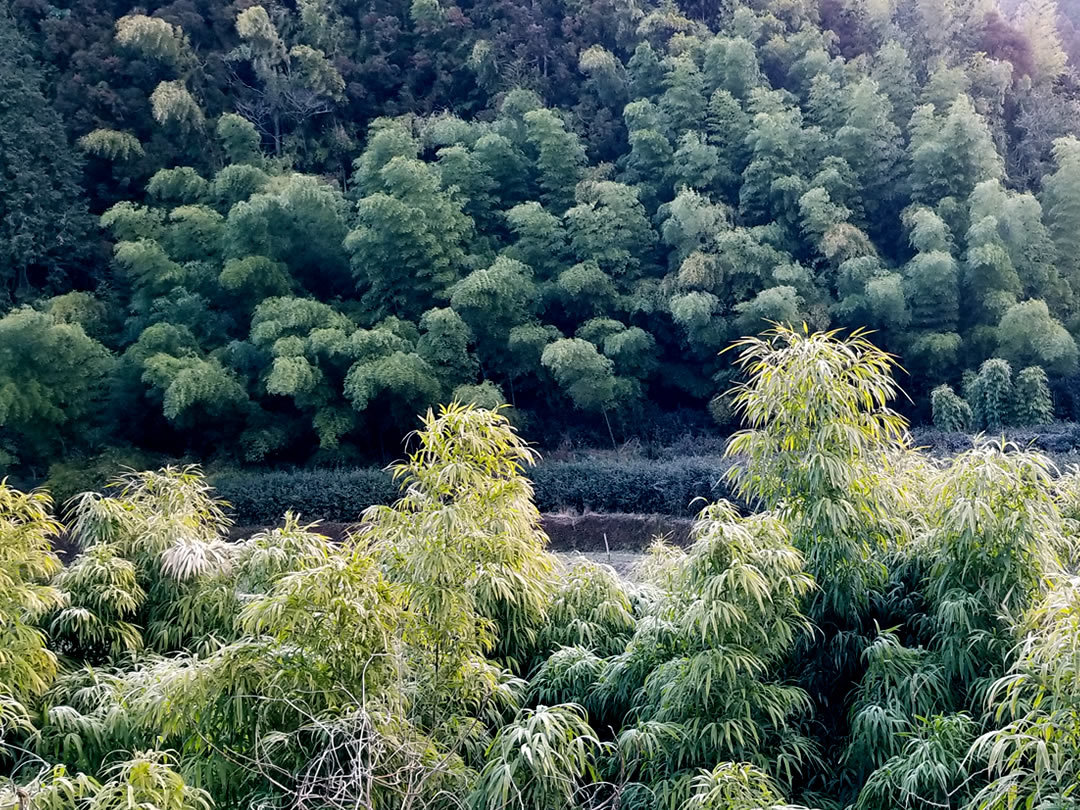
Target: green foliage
[950,411]
[735,786]
[27,563]
[538,761]
[1028,335]
[690,174]
[998,535]
[102,592]
[52,376]
[818,434]
[696,678]
[659,487]
[1031,749]
[591,610]
[465,540]
[992,395]
[408,240]
[44,223]
[148,779]
[1033,403]
[439,655]
[583,372]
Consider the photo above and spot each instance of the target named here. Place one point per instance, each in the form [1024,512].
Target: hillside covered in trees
[275,233]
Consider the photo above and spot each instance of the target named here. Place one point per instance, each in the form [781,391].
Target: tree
[646,72]
[712,601]
[869,142]
[1034,732]
[52,376]
[951,152]
[559,157]
[583,372]
[893,72]
[408,244]
[1061,202]
[493,301]
[731,65]
[292,83]
[27,563]
[148,778]
[609,226]
[817,436]
[540,239]
[46,226]
[932,276]
[1029,335]
[683,101]
[1037,19]
[307,355]
[476,578]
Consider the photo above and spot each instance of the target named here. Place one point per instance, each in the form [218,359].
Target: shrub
[992,395]
[951,413]
[1033,405]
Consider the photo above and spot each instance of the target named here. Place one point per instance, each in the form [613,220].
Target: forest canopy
[274,233]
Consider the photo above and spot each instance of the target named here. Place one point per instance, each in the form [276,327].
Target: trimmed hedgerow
[643,486]
[341,495]
[599,485]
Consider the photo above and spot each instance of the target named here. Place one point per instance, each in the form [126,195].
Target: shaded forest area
[274,233]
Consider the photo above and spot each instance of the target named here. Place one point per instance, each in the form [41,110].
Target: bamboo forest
[540,405]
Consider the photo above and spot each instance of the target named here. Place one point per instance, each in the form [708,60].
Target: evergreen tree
[560,157]
[1037,19]
[951,151]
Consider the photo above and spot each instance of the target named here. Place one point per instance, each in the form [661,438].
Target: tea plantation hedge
[602,485]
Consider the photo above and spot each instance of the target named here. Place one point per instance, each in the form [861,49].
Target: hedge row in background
[1060,440]
[599,485]
[650,480]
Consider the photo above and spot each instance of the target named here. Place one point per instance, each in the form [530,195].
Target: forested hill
[276,232]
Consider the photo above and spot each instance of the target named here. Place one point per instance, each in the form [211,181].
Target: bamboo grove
[887,630]
[250,234]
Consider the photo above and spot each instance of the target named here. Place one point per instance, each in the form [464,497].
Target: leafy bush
[951,413]
[1034,405]
[992,395]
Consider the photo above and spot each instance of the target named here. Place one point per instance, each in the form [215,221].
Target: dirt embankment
[589,532]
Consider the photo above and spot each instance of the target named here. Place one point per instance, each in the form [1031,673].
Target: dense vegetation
[888,631]
[273,233]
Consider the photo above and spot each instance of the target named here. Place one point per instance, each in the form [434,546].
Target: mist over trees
[315,220]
